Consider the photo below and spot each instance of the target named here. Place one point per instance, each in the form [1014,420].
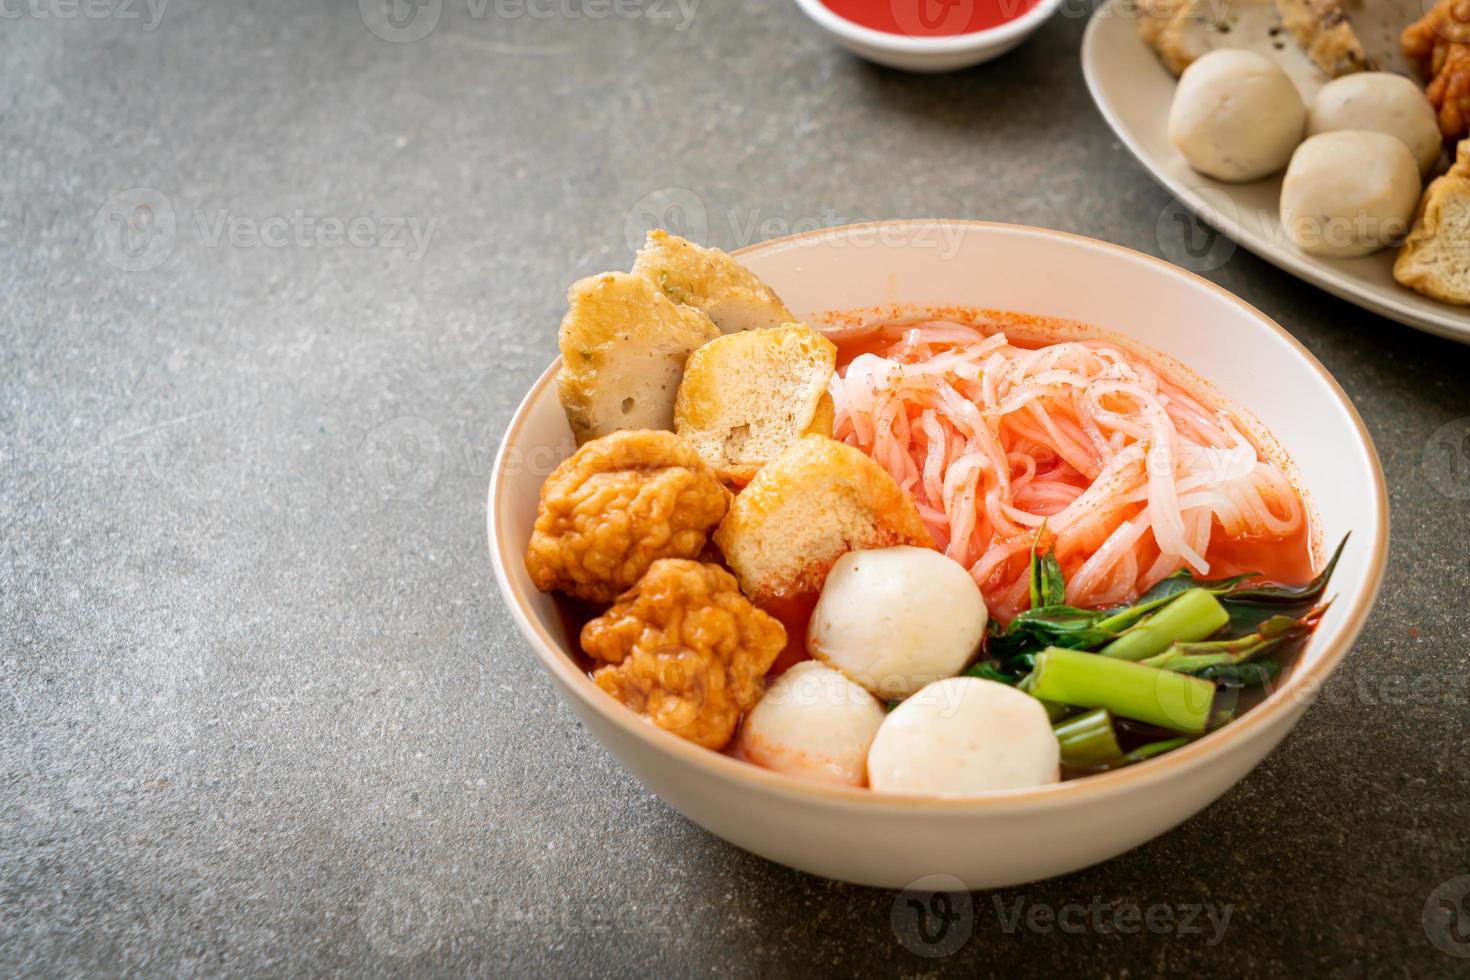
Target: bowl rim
[856,33]
[1275,709]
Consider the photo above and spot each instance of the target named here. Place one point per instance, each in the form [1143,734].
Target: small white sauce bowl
[928,54]
[999,839]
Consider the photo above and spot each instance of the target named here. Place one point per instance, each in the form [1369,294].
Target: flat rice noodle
[1130,474]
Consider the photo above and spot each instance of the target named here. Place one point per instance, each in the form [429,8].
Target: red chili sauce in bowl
[929,18]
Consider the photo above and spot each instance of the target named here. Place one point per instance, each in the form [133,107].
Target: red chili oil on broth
[929,18]
[1285,560]
[795,614]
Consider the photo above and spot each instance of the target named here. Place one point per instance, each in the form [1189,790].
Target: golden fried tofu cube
[748,396]
[807,508]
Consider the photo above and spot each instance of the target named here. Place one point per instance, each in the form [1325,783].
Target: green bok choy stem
[1194,615]
[1054,712]
[1086,680]
[1146,752]
[1191,658]
[1088,740]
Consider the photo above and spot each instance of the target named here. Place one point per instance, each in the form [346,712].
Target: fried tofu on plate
[1435,259]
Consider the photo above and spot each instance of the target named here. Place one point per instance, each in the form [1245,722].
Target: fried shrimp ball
[615,507]
[685,649]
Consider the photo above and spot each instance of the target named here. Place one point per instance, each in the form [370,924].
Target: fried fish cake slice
[709,280]
[623,348]
[1324,32]
[1182,31]
[1166,26]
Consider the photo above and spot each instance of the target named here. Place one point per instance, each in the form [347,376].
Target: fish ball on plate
[814,723]
[1380,102]
[964,735]
[1236,115]
[895,619]
[1349,193]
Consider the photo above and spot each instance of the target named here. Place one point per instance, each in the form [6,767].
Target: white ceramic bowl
[928,54]
[1005,838]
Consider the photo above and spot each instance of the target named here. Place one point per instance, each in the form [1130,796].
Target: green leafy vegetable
[1048,585]
[989,671]
[1293,595]
[1252,674]
[1055,624]
[1182,581]
[1191,658]
[1160,669]
[1252,605]
[1145,752]
[1049,626]
[1022,663]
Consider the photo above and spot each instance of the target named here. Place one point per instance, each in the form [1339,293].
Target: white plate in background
[1133,92]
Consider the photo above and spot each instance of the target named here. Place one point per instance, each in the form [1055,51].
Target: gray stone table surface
[263,711]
